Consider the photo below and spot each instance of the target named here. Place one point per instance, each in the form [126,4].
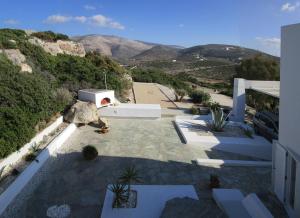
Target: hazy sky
[250,23]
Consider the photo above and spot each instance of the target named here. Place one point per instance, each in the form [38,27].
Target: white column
[239,100]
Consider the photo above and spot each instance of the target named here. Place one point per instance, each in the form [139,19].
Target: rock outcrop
[17,58]
[60,47]
[82,113]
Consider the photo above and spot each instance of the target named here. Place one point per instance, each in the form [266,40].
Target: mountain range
[124,50]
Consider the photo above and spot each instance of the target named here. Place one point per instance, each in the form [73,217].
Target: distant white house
[100,97]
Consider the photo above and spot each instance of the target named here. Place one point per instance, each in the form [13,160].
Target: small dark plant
[30,157]
[248,132]
[120,194]
[89,152]
[129,176]
[33,152]
[194,110]
[15,172]
[214,181]
[35,148]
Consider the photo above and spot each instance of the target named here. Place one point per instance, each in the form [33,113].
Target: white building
[98,96]
[286,151]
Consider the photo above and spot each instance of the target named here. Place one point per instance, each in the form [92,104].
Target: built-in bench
[235,205]
[152,111]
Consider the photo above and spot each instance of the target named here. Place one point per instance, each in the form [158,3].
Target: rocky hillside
[113,46]
[60,47]
[40,74]
[220,51]
[159,52]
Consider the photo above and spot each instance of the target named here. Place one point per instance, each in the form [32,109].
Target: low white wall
[17,155]
[132,111]
[257,147]
[16,187]
[256,84]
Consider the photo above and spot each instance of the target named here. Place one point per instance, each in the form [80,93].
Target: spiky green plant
[129,176]
[120,194]
[218,121]
[1,172]
[214,106]
[34,148]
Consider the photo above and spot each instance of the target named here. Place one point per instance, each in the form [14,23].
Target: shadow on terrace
[69,179]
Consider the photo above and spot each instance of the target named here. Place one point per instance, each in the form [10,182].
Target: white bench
[235,205]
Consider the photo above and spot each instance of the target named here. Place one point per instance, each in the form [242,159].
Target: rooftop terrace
[152,146]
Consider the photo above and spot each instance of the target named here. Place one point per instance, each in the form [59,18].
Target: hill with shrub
[28,101]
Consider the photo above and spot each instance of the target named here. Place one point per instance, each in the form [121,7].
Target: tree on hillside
[258,68]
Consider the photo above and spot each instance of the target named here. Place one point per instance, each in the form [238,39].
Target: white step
[233,163]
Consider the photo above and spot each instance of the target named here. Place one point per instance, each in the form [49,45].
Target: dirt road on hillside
[149,93]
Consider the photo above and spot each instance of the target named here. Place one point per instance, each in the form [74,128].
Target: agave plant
[34,148]
[218,120]
[129,176]
[120,194]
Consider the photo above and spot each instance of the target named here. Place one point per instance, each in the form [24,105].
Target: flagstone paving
[152,146]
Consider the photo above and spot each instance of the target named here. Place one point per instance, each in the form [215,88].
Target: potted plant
[214,181]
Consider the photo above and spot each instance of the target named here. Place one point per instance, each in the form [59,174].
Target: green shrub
[89,152]
[50,36]
[157,76]
[30,157]
[7,35]
[198,96]
[63,96]
[179,94]
[29,101]
[194,110]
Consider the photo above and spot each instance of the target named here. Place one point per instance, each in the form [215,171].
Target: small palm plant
[218,122]
[129,176]
[120,194]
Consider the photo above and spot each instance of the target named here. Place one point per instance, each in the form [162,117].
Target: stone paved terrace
[152,146]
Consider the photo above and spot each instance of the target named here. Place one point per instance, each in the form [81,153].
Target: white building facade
[286,151]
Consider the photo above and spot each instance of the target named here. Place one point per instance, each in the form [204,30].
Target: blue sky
[250,23]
